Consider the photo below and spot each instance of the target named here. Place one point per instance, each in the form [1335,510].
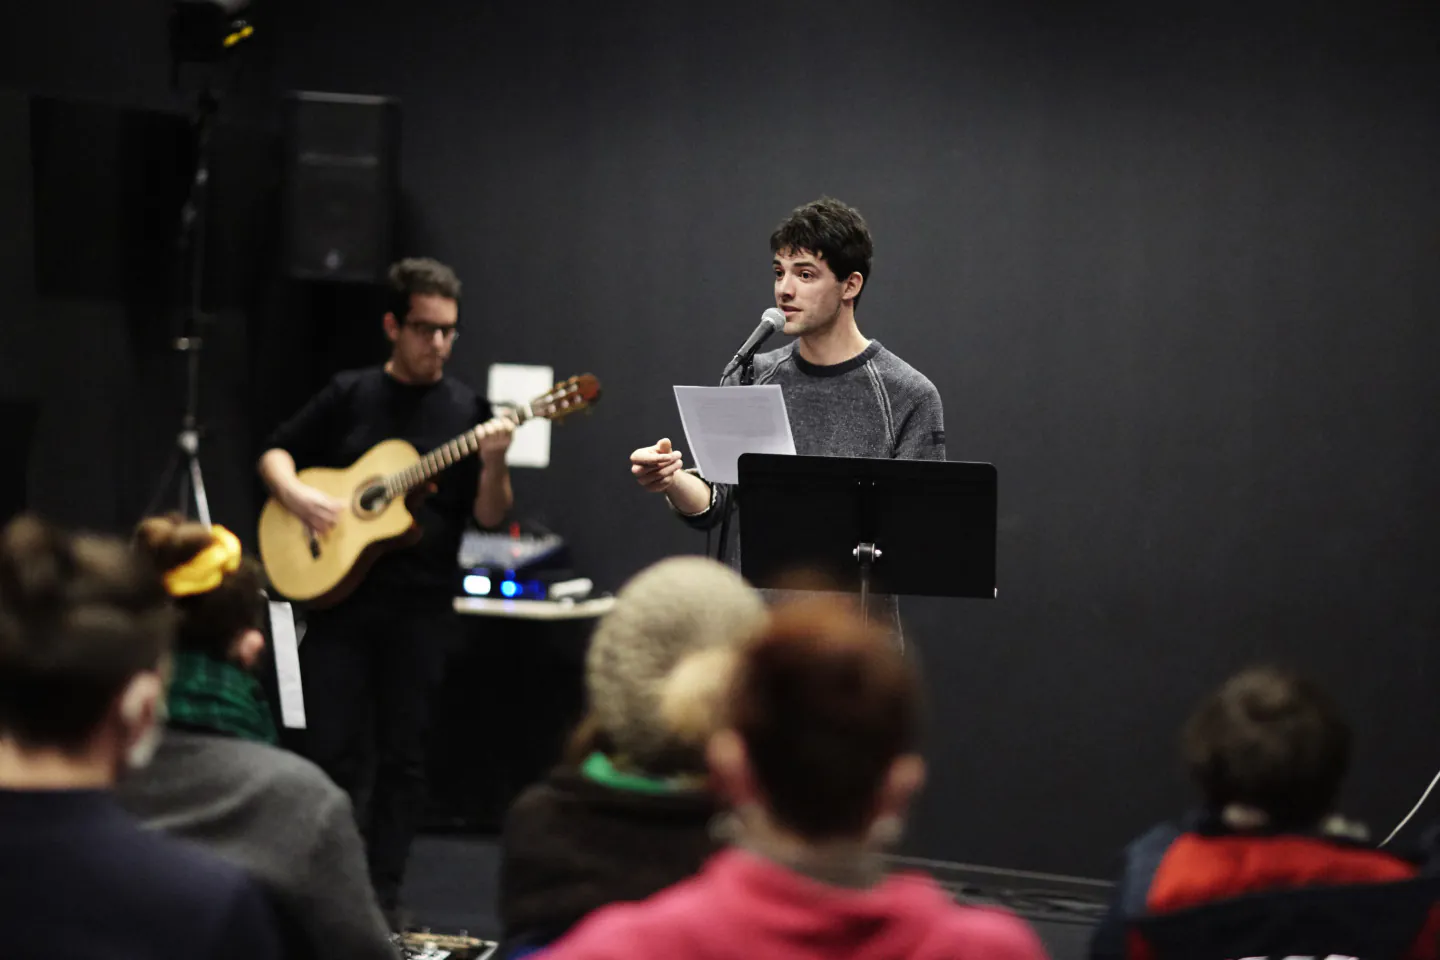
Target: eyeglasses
[428,330]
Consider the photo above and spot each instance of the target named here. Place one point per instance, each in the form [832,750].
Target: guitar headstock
[567,397]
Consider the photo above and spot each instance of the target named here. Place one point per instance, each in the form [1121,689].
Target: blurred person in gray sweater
[218,779]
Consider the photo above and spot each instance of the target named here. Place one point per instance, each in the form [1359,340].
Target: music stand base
[866,554]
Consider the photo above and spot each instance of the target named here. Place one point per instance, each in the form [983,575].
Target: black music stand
[918,527]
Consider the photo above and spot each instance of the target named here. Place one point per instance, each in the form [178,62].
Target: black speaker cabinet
[342,172]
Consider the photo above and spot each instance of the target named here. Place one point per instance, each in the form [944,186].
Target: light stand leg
[202,505]
[182,504]
[192,251]
[164,484]
[190,441]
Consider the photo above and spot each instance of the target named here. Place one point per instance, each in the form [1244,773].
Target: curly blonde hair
[658,663]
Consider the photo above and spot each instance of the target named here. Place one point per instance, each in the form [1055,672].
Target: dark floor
[452,883]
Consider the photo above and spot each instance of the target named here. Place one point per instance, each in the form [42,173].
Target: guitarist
[371,664]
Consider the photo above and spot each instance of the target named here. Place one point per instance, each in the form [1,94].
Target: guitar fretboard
[447,454]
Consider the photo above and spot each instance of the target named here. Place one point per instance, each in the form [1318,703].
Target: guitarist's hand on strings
[317,509]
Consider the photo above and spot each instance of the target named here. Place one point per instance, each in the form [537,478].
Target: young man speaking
[846,395]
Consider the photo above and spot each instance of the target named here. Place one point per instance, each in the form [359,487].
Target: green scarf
[218,697]
[602,770]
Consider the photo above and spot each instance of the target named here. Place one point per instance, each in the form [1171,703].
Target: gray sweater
[277,816]
[872,405]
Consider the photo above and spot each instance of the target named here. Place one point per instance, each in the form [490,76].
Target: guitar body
[324,569]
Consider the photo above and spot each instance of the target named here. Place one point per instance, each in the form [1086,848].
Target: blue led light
[509,588]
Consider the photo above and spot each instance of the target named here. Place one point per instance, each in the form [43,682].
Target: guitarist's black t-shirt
[358,409]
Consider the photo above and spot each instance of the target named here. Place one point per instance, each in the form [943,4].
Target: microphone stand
[747,379]
[747,372]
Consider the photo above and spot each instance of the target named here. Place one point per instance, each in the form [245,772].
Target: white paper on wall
[519,383]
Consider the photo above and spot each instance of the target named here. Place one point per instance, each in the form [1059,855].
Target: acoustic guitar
[322,568]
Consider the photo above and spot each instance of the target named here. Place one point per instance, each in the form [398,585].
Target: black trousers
[371,671]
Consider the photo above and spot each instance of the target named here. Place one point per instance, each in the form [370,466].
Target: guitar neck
[448,454]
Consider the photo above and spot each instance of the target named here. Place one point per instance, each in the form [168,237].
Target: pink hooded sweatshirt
[742,906]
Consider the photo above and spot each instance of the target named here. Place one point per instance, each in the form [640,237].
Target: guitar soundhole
[372,499]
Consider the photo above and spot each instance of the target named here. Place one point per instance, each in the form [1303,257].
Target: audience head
[217,591]
[1271,743]
[658,663]
[822,730]
[84,630]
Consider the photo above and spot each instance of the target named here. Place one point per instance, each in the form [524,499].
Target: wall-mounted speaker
[342,178]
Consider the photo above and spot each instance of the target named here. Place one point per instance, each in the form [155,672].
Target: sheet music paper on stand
[721,423]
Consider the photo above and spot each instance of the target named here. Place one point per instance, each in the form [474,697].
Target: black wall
[1172,273]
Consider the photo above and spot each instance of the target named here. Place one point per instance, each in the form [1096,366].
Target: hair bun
[692,697]
[171,540]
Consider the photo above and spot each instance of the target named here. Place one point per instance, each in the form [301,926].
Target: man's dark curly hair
[418,275]
[831,230]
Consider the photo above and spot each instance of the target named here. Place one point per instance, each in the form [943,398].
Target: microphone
[771,322]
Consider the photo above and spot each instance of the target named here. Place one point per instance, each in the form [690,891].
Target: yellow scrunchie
[206,570]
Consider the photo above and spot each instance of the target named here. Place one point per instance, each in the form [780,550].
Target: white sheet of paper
[721,423]
[518,383]
[287,665]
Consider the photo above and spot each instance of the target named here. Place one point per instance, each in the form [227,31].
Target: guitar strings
[556,401]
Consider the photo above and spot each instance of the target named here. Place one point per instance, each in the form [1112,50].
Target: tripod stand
[191,246]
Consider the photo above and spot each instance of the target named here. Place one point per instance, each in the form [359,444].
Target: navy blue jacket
[79,878]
